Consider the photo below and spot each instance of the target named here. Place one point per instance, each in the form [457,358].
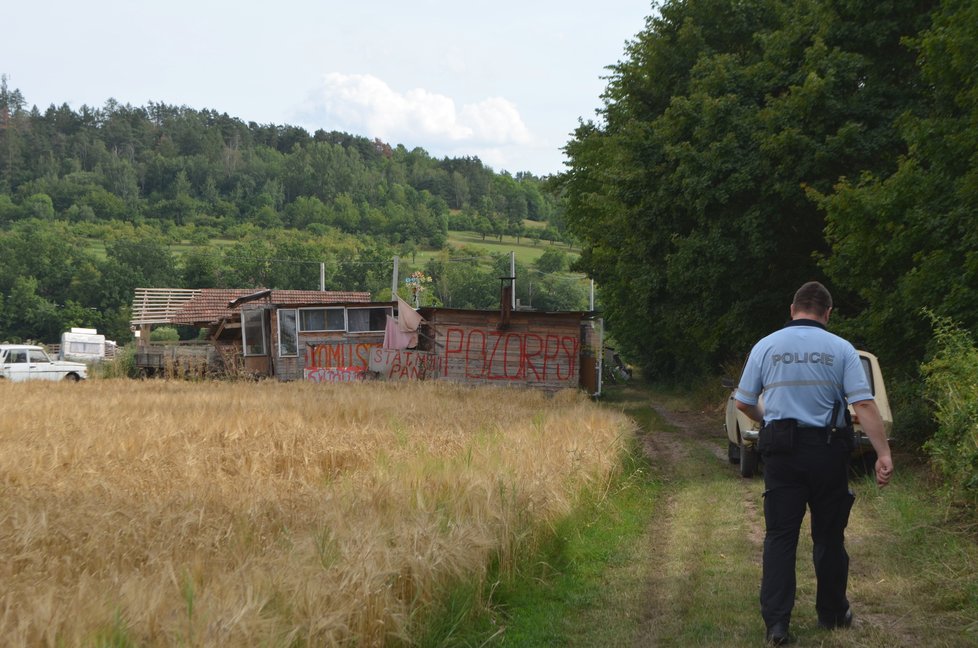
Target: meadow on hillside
[527,250]
[162,513]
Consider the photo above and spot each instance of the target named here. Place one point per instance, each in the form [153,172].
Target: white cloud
[366,105]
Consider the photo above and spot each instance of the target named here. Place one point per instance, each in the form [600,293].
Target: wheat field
[161,513]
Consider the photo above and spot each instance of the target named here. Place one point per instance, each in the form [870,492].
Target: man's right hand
[884,470]
[872,424]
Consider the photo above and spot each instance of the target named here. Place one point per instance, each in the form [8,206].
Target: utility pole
[512,273]
[394,279]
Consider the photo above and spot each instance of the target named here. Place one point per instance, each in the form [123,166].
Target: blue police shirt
[802,371]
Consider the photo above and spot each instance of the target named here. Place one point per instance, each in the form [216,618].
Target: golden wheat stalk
[216,514]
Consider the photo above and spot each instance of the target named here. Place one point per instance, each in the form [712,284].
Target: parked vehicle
[20,362]
[742,431]
[85,345]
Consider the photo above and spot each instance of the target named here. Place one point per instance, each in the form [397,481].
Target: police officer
[807,376]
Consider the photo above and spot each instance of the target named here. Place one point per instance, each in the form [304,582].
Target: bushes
[951,385]
[123,365]
[164,334]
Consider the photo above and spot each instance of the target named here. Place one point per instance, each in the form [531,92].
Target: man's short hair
[813,298]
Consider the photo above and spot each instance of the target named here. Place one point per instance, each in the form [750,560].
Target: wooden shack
[324,336]
[316,342]
[289,334]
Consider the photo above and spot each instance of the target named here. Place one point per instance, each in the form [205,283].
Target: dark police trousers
[815,474]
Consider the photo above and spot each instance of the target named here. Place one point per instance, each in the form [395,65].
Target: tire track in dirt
[701,428]
[680,453]
[704,430]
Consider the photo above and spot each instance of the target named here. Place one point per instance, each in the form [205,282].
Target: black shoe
[777,635]
[845,621]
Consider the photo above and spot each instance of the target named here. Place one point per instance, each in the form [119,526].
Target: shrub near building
[951,384]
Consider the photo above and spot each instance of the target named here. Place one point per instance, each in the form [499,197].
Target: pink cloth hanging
[395,338]
[408,321]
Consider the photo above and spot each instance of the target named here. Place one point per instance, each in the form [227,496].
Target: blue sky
[506,81]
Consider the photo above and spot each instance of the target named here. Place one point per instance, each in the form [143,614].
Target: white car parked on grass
[742,431]
[28,362]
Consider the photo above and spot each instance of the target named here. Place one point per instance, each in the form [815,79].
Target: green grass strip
[583,569]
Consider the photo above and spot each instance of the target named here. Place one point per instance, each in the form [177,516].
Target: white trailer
[84,345]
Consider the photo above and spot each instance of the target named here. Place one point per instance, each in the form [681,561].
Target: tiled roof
[211,305]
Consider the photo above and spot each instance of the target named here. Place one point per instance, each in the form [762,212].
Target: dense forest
[95,202]
[747,146]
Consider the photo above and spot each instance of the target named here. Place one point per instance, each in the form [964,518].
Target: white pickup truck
[742,431]
[20,362]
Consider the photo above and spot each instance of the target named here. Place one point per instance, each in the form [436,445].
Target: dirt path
[701,429]
[700,559]
[704,530]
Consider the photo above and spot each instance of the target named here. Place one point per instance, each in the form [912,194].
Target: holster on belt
[847,433]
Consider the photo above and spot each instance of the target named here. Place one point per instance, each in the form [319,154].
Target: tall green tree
[13,126]
[44,250]
[201,268]
[463,284]
[690,197]
[907,241]
[28,315]
[135,259]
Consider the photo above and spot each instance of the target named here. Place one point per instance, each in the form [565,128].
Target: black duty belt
[812,435]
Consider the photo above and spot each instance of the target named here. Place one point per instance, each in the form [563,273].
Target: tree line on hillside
[95,202]
[51,278]
[746,147]
[172,165]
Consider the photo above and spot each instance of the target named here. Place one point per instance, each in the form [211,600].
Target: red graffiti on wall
[395,364]
[336,356]
[506,355]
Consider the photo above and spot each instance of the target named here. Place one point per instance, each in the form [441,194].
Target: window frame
[385,310]
[245,343]
[301,329]
[294,333]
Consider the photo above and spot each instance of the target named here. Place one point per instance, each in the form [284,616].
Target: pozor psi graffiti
[476,354]
[460,354]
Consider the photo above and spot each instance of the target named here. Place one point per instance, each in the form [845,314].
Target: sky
[506,81]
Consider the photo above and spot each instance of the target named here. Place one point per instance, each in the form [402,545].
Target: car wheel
[733,452]
[748,460]
[72,377]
